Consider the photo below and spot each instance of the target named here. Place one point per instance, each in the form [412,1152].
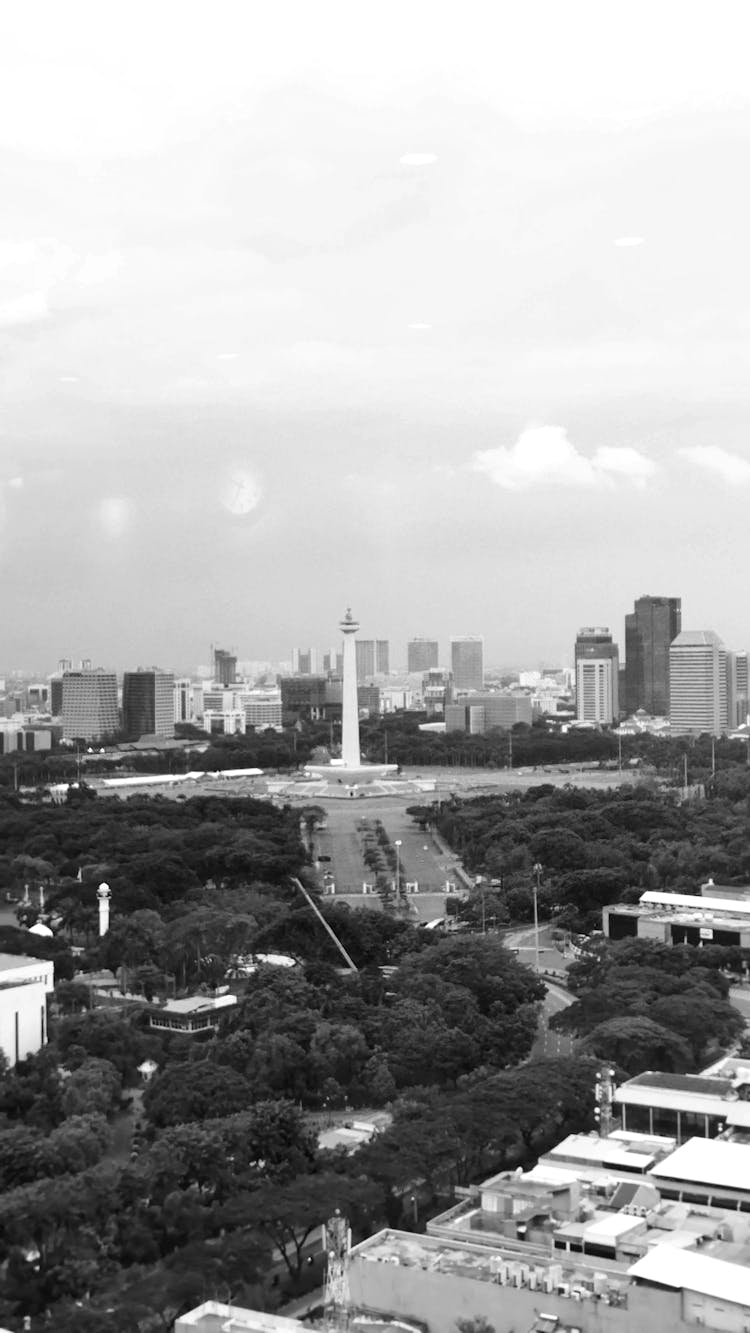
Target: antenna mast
[338,1241]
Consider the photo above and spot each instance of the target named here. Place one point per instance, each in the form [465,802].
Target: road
[421,857]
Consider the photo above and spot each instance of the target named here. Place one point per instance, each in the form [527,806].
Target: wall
[29,1002]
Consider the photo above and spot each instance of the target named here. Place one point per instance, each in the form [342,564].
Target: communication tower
[337,1240]
[604,1093]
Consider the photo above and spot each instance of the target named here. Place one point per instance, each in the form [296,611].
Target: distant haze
[446,320]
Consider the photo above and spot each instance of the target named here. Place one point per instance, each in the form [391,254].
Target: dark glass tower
[649,629]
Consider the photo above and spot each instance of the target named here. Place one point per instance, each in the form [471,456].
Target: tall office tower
[597,676]
[304,661]
[148,703]
[467,662]
[697,684]
[188,700]
[333,662]
[737,700]
[225,667]
[649,629]
[89,704]
[421,654]
[365,657]
[382,657]
[741,697]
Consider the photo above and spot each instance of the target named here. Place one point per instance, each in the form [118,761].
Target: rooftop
[710,1087]
[196,1003]
[708,1162]
[12,962]
[670,1266]
[697,638]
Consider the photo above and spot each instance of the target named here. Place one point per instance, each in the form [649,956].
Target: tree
[288,1213]
[636,1044]
[188,1091]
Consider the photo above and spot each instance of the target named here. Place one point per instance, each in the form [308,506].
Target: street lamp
[537,877]
[397,845]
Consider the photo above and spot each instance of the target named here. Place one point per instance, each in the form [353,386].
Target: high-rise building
[467,662]
[697,684]
[649,630]
[597,676]
[89,704]
[365,656]
[304,661]
[741,697]
[333,661]
[225,667]
[148,703]
[188,700]
[372,657]
[421,654]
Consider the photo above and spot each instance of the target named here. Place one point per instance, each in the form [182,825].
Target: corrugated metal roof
[687,1270]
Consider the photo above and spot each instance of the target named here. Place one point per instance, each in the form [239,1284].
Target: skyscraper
[225,667]
[365,659]
[698,684]
[421,654]
[649,630]
[597,676]
[467,662]
[382,657]
[148,703]
[89,704]
[304,661]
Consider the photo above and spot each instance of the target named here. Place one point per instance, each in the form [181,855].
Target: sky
[438,311]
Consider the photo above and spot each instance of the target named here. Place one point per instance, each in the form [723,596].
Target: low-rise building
[197,1013]
[25,984]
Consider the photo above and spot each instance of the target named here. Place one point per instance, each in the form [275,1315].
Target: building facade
[698,684]
[651,627]
[467,662]
[597,676]
[304,661]
[25,984]
[422,655]
[148,703]
[225,667]
[89,704]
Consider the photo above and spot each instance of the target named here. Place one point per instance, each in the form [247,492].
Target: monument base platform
[327,782]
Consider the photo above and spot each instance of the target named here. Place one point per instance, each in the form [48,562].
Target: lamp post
[537,878]
[397,845]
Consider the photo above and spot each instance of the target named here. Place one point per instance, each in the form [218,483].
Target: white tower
[350,754]
[104,894]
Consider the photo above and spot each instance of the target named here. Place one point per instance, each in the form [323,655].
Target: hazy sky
[440,311]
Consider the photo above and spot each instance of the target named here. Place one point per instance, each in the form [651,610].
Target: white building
[25,984]
[698,684]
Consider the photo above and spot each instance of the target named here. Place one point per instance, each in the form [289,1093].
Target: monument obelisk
[344,776]
[350,753]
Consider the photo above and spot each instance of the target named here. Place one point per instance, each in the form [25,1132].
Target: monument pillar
[350,754]
[103,893]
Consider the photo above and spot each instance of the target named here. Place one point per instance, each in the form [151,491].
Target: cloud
[29,308]
[115,514]
[544,456]
[628,241]
[731,468]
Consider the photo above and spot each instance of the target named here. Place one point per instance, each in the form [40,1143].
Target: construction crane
[352,966]
[338,1242]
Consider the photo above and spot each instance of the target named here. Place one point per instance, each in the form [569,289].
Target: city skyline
[484,328]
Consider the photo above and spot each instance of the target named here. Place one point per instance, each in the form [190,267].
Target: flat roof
[196,1003]
[697,902]
[711,1087]
[584,1148]
[11,962]
[708,1162]
[670,1266]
